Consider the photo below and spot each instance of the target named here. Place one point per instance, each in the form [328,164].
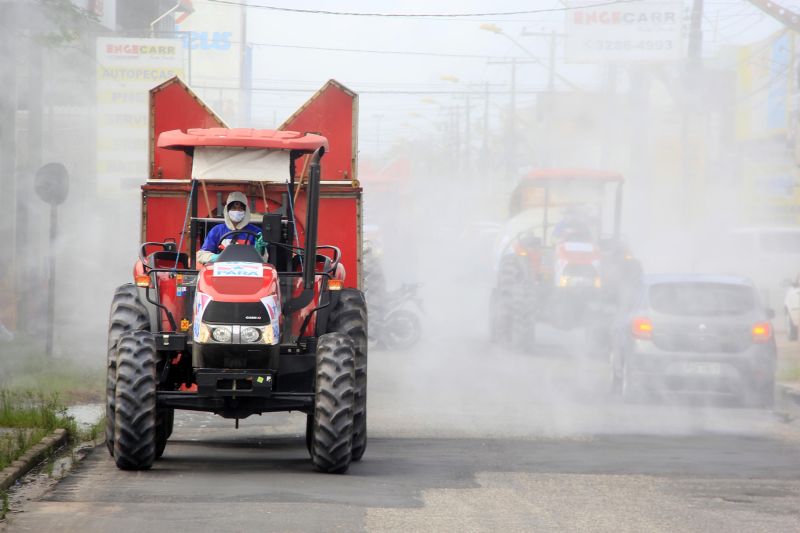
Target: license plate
[701,369]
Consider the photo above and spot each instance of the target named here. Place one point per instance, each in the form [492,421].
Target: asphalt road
[463,437]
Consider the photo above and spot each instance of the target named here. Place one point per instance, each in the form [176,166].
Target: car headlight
[221,334]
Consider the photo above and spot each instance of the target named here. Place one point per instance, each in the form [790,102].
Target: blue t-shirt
[214,244]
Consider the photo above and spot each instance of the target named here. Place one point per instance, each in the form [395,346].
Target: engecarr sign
[624,32]
[127,68]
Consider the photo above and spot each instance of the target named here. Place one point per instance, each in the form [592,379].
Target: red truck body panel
[333,113]
[330,115]
[173,106]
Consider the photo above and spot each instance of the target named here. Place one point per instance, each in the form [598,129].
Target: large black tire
[164,420]
[630,388]
[350,317]
[309,431]
[514,323]
[135,405]
[127,314]
[615,379]
[334,403]
[761,397]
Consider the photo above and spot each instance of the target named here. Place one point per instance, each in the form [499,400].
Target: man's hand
[213,258]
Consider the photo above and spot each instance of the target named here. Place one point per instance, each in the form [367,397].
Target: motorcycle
[395,318]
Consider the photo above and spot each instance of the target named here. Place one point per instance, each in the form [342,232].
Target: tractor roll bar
[312,214]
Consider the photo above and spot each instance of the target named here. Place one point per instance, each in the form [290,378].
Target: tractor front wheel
[334,403]
[127,314]
[135,402]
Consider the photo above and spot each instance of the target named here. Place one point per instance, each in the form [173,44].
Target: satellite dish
[52,183]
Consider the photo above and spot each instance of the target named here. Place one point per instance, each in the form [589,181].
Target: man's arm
[208,251]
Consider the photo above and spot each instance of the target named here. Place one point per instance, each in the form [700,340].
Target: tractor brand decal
[572,246]
[274,309]
[238,270]
[201,301]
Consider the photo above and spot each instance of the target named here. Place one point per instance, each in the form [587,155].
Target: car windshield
[697,299]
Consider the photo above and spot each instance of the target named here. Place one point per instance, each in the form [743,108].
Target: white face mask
[236,216]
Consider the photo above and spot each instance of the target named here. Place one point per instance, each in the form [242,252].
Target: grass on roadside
[790,374]
[24,366]
[3,504]
[28,417]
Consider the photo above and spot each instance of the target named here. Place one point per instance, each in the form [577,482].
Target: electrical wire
[369,51]
[421,15]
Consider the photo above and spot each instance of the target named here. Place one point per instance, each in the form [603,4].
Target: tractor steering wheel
[240,231]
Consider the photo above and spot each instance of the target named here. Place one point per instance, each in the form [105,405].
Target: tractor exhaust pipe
[312,215]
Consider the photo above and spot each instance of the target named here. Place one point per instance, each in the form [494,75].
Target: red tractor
[243,335]
[562,259]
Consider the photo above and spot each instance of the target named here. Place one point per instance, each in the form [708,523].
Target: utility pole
[8,183]
[790,19]
[551,68]
[511,133]
[693,72]
[692,103]
[486,121]
[696,38]
[545,108]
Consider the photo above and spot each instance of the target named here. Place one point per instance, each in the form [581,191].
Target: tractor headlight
[212,333]
[250,334]
[235,334]
[222,334]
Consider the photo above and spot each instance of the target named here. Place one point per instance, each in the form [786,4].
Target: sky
[286,77]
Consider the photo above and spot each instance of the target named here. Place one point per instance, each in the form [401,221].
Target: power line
[368,91]
[371,51]
[421,15]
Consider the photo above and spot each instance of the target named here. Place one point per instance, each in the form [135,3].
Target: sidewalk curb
[789,397]
[31,458]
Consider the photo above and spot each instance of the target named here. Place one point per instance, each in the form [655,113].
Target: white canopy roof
[240,164]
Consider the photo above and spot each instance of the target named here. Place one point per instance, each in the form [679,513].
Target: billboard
[212,38]
[763,87]
[624,32]
[127,69]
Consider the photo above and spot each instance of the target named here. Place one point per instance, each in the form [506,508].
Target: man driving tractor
[237,217]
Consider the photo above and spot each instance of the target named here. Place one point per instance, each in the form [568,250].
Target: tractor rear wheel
[164,420]
[350,317]
[135,405]
[309,431]
[127,314]
[334,402]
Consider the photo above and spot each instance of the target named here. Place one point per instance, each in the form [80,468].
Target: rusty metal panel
[174,106]
[333,113]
